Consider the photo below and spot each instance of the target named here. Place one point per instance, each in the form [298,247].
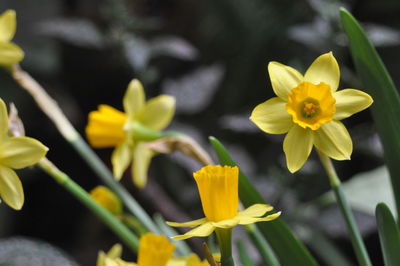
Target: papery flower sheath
[10,53]
[108,127]
[15,153]
[309,109]
[218,189]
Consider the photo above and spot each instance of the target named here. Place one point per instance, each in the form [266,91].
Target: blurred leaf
[379,84]
[289,250]
[366,190]
[173,46]
[79,32]
[194,91]
[389,235]
[382,35]
[19,251]
[243,255]
[137,51]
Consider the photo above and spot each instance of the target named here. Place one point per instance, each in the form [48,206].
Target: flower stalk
[355,236]
[78,192]
[224,238]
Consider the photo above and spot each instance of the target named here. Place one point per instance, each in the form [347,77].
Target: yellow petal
[10,53]
[11,190]
[297,147]
[271,116]
[157,112]
[20,152]
[134,97]
[251,220]
[283,79]
[256,210]
[120,159]
[334,140]
[105,127]
[201,231]
[188,224]
[115,251]
[349,102]
[8,24]
[226,223]
[3,120]
[324,69]
[141,161]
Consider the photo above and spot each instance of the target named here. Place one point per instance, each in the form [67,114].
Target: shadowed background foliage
[212,56]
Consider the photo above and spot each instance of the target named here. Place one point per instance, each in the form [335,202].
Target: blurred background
[212,56]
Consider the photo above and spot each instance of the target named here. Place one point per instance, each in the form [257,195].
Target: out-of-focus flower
[153,250]
[15,153]
[218,189]
[129,131]
[308,108]
[107,199]
[10,53]
[191,260]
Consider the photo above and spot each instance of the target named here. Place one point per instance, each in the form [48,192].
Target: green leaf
[289,250]
[380,86]
[388,234]
[243,254]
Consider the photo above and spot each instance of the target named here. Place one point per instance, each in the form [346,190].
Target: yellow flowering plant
[309,109]
[218,189]
[15,153]
[128,131]
[10,53]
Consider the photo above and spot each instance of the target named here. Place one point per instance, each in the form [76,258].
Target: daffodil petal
[20,152]
[349,102]
[10,53]
[141,161]
[11,190]
[256,210]
[226,223]
[134,98]
[334,140]
[120,159]
[271,116]
[297,147]
[157,112]
[188,224]
[200,231]
[324,69]
[251,220]
[3,120]
[283,79]
[115,251]
[8,25]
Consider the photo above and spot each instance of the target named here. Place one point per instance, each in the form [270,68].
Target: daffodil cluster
[127,131]
[309,109]
[15,153]
[153,250]
[10,53]
[218,189]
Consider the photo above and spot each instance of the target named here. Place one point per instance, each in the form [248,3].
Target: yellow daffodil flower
[153,250]
[309,109]
[191,260]
[218,189]
[108,127]
[15,153]
[107,199]
[10,53]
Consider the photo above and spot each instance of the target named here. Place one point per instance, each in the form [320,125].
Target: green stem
[106,176]
[78,192]
[244,257]
[355,236]
[262,245]
[224,237]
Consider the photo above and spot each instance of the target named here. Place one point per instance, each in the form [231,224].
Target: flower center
[311,105]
